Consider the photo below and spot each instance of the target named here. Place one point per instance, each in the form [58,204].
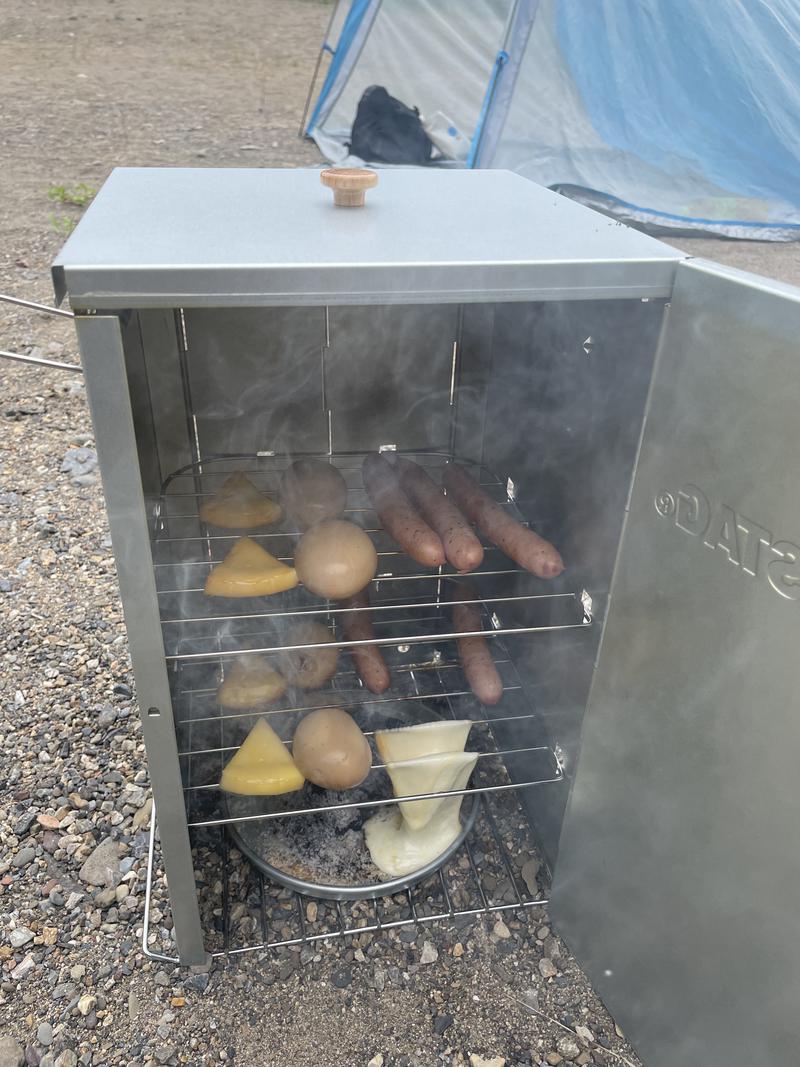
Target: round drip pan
[326,855]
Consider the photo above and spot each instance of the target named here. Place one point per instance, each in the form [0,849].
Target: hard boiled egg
[335,559]
[330,750]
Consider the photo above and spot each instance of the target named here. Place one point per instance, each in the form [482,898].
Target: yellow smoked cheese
[248,570]
[263,765]
[238,505]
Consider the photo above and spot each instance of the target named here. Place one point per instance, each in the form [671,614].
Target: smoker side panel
[678,873]
[101,346]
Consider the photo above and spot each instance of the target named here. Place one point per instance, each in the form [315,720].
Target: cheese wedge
[263,765]
[429,774]
[250,683]
[425,739]
[248,570]
[239,505]
[396,849]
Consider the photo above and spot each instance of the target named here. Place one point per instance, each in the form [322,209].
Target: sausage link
[397,514]
[368,659]
[473,652]
[522,545]
[461,546]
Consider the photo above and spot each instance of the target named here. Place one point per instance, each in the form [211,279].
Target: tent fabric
[436,55]
[678,117]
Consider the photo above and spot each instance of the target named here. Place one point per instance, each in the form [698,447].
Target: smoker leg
[103,358]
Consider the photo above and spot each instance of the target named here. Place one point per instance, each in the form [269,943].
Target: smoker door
[678,880]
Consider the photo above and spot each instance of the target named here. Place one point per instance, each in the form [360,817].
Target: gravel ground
[85,85]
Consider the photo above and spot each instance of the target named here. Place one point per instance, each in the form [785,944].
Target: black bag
[386,131]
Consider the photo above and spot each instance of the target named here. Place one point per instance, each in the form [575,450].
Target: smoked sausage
[522,545]
[368,659]
[397,514]
[461,546]
[473,652]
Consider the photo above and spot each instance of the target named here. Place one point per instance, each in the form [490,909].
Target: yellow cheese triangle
[239,505]
[424,739]
[263,765]
[429,774]
[248,570]
[250,683]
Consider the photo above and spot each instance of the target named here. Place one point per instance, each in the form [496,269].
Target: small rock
[23,857]
[49,822]
[379,979]
[554,1058]
[21,936]
[23,969]
[133,1005]
[47,1061]
[458,949]
[199,981]
[429,954]
[529,872]
[77,972]
[311,914]
[501,930]
[568,1047]
[44,1034]
[583,1059]
[177,1002]
[107,717]
[341,977]
[11,1052]
[376,1061]
[547,969]
[161,978]
[24,823]
[584,1034]
[49,935]
[164,1053]
[104,898]
[102,866]
[86,1004]
[79,462]
[32,1056]
[442,1023]
[68,1058]
[479,1061]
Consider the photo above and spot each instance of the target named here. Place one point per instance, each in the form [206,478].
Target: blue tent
[680,116]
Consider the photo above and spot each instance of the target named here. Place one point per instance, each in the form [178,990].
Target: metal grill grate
[245,912]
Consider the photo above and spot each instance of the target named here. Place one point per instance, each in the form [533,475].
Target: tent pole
[324,47]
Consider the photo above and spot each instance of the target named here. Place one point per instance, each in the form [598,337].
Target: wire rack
[410,613]
[243,910]
[498,869]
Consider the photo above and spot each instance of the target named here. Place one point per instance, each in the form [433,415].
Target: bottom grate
[497,869]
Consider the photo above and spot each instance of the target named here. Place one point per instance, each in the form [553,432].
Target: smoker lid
[158,237]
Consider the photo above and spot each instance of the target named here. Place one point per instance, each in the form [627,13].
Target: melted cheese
[262,766]
[429,774]
[425,739]
[248,570]
[239,505]
[250,683]
[396,849]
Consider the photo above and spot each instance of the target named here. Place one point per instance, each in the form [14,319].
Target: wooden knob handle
[349,184]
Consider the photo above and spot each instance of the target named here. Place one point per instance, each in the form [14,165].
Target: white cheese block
[428,774]
[425,739]
[396,849]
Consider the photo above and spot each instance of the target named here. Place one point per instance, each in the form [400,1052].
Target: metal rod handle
[5,298]
[75,367]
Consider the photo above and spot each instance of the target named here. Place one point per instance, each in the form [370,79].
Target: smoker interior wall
[563,414]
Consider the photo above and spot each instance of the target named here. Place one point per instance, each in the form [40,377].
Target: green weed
[81,195]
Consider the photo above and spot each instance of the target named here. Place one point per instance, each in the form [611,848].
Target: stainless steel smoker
[637,407]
